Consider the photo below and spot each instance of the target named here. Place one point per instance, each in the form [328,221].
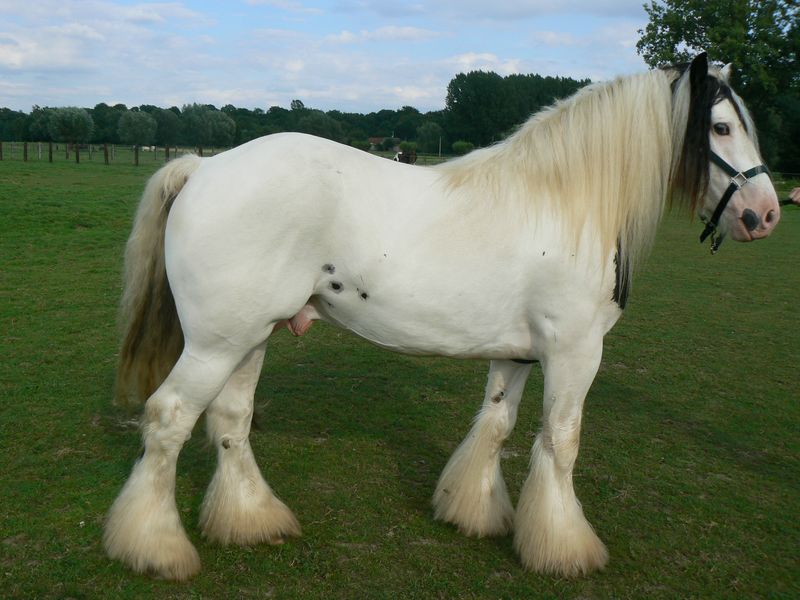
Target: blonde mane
[602,158]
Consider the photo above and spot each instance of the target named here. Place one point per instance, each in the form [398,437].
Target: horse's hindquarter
[379,248]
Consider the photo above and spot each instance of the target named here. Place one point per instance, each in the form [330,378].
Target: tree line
[481,107]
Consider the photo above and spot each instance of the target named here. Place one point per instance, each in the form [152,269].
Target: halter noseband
[738,180]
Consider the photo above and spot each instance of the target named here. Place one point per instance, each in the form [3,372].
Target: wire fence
[124,154]
[108,153]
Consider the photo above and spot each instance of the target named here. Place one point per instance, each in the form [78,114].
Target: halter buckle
[739,180]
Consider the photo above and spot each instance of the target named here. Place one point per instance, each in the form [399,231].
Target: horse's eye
[722,129]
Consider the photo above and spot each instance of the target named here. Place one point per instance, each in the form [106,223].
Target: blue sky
[350,55]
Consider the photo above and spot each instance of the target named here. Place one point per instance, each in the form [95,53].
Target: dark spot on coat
[364,295]
[498,396]
[329,268]
[336,286]
[226,444]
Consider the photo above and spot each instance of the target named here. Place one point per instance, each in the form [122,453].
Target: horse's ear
[725,72]
[698,71]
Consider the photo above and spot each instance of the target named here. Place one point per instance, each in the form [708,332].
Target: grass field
[688,469]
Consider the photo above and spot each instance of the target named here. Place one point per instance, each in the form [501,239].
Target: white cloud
[495,10]
[558,38]
[46,50]
[288,5]
[389,33]
[472,61]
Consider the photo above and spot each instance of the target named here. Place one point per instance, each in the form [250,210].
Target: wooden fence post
[105,153]
[50,151]
[39,150]
[166,154]
[25,151]
[136,154]
[1,150]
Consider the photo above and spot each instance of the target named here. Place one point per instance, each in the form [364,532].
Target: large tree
[221,127]
[106,122]
[318,123]
[39,124]
[205,126]
[485,107]
[168,132]
[72,125]
[761,39]
[478,111]
[137,128]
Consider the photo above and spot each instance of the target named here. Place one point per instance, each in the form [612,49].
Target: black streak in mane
[691,178]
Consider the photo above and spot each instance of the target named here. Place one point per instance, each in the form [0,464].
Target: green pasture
[689,466]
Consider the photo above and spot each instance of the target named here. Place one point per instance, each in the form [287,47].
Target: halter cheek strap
[738,180]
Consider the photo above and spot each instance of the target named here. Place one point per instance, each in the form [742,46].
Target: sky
[348,55]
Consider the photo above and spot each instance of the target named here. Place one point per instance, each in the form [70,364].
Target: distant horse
[517,253]
[409,157]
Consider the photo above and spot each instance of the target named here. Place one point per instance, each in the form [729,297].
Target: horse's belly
[391,329]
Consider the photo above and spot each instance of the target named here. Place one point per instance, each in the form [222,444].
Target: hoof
[153,546]
[247,519]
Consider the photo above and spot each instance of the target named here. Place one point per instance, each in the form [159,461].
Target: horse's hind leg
[551,533]
[471,492]
[143,528]
[240,507]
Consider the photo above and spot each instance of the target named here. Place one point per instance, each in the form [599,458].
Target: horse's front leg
[471,492]
[551,533]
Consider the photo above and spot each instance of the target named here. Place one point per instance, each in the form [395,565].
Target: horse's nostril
[750,219]
[770,217]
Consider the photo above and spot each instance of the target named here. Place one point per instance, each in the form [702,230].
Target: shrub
[461,147]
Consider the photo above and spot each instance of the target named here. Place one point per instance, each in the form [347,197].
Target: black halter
[738,180]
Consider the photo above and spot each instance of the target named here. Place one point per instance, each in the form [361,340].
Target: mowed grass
[688,466]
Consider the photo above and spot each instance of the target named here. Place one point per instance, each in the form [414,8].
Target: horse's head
[719,166]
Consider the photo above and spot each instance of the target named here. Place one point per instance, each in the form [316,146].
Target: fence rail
[108,153]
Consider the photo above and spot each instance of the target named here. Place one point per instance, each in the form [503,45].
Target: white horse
[517,253]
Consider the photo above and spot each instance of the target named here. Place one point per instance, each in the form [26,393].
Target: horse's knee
[223,419]
[562,443]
